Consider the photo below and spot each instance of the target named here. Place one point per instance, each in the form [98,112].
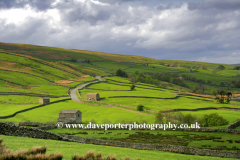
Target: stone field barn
[93,96]
[44,100]
[70,116]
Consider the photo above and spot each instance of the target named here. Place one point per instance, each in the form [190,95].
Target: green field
[191,139]
[8,109]
[68,149]
[49,113]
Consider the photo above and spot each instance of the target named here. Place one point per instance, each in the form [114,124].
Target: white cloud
[186,31]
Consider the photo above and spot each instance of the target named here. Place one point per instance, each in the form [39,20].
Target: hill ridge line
[42,62]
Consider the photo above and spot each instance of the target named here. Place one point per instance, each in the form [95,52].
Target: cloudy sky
[196,30]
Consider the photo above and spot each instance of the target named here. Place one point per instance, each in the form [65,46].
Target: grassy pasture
[18,99]
[118,79]
[33,64]
[231,116]
[45,89]
[23,79]
[7,109]
[110,66]
[191,139]
[137,92]
[49,113]
[107,86]
[161,104]
[152,104]
[51,89]
[68,149]
[112,62]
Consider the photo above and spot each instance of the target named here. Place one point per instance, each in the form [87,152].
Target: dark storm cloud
[91,15]
[12,4]
[190,30]
[37,4]
[216,4]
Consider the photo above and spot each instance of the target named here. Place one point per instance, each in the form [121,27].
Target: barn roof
[44,97]
[69,111]
[92,93]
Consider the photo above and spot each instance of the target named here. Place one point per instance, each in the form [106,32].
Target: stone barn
[70,116]
[44,100]
[93,96]
[235,99]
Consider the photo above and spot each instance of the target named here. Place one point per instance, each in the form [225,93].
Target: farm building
[80,60]
[167,65]
[235,99]
[93,96]
[70,116]
[44,100]
[181,78]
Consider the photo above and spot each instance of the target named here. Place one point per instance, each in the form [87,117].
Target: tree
[221,67]
[136,72]
[87,60]
[148,80]
[189,118]
[159,117]
[213,92]
[73,60]
[204,67]
[165,78]
[121,73]
[140,107]
[222,84]
[221,98]
[209,82]
[236,68]
[223,93]
[179,116]
[229,95]
[138,78]
[212,120]
[132,87]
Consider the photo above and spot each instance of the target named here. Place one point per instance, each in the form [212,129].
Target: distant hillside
[23,70]
[52,64]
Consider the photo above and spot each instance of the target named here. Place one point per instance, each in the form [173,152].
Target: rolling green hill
[28,72]
[59,63]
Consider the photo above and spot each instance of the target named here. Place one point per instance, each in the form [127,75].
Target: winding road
[73,92]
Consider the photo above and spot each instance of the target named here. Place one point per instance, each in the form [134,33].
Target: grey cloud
[37,4]
[216,4]
[194,31]
[80,13]
[12,4]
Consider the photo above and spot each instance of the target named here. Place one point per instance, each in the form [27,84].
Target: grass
[107,86]
[231,116]
[68,149]
[20,78]
[18,99]
[136,92]
[124,80]
[49,113]
[73,84]
[50,89]
[193,139]
[7,109]
[45,89]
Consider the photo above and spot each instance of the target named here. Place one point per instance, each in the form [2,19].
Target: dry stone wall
[169,148]
[234,125]
[12,130]
[24,110]
[31,94]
